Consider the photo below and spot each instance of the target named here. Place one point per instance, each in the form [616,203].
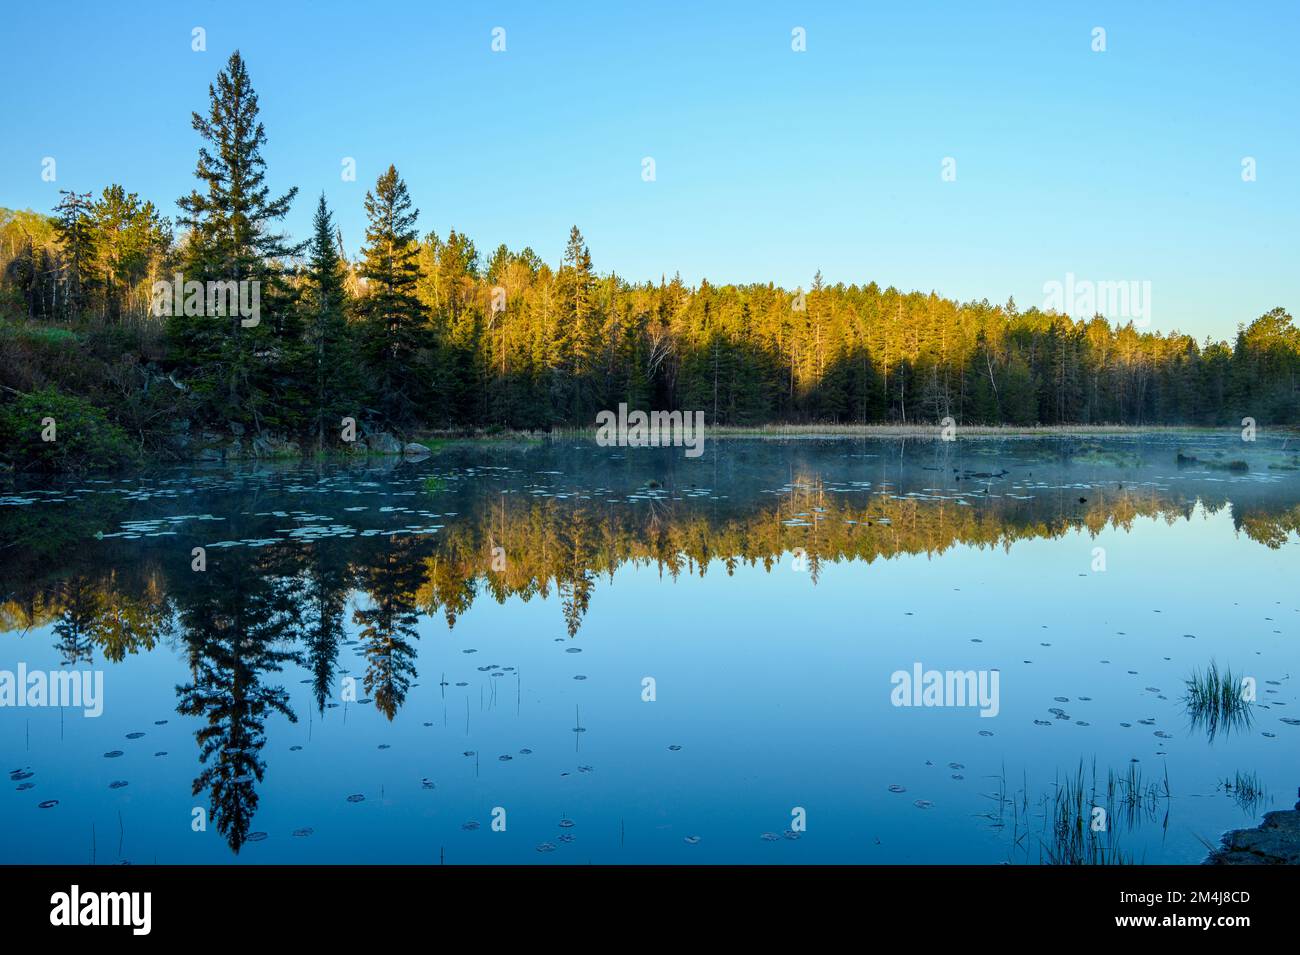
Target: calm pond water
[503,612]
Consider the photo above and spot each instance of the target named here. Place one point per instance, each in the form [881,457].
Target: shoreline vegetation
[928,430]
[426,443]
[108,338]
[210,447]
[437,439]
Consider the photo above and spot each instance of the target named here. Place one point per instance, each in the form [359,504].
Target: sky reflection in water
[521,687]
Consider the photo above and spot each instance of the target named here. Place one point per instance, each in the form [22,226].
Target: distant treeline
[427,333]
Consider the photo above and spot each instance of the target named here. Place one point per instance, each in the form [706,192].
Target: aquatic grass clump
[1217,701]
[1237,466]
[1079,822]
[1071,838]
[434,484]
[1246,790]
[1132,797]
[1244,783]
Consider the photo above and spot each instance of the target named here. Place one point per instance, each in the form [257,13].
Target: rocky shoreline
[1275,841]
[213,446]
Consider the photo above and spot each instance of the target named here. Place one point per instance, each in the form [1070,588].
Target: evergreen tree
[327,582]
[395,329]
[237,623]
[579,327]
[387,624]
[335,383]
[231,238]
[76,236]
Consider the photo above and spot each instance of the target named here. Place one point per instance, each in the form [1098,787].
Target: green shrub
[47,335]
[83,438]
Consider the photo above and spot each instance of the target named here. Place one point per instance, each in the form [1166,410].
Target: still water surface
[499,610]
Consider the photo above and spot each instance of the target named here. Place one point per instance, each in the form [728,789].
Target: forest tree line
[425,332]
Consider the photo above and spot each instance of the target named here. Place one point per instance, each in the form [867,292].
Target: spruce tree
[394,321]
[232,238]
[331,372]
[74,228]
[580,324]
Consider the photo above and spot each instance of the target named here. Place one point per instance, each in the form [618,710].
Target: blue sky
[770,164]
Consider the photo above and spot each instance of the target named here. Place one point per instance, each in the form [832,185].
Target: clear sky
[770,163]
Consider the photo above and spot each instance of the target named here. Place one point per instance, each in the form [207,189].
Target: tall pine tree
[394,321]
[74,228]
[232,238]
[333,377]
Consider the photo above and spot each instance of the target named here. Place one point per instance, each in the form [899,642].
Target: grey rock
[1275,842]
[270,445]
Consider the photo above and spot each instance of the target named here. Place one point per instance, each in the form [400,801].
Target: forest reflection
[257,610]
[296,592]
